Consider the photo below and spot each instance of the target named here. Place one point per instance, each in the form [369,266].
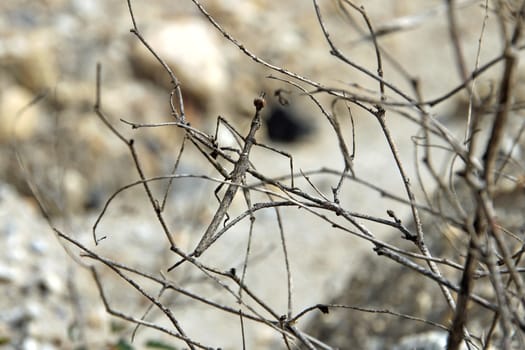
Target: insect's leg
[173,170]
[285,154]
[216,192]
[247,199]
[217,124]
[239,139]
[219,199]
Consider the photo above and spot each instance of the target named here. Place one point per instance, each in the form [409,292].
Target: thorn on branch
[391,213]
[100,239]
[233,272]
[406,233]
[379,249]
[323,308]
[380,112]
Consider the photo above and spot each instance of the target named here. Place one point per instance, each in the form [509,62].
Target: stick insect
[236,177]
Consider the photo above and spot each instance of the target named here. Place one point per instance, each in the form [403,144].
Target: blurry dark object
[281,96]
[283,124]
[94,200]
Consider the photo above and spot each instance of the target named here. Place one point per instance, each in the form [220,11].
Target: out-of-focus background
[53,146]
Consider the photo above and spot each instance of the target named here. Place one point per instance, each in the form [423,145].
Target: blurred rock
[237,12]
[193,52]
[30,56]
[7,274]
[423,341]
[18,119]
[37,305]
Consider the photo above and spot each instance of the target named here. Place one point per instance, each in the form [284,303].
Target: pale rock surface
[18,121]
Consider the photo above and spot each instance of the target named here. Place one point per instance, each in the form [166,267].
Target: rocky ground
[54,148]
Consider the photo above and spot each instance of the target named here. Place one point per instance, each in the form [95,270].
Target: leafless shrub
[478,163]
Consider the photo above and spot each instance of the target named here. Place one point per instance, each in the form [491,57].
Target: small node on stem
[379,249]
[323,308]
[391,213]
[233,272]
[259,102]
